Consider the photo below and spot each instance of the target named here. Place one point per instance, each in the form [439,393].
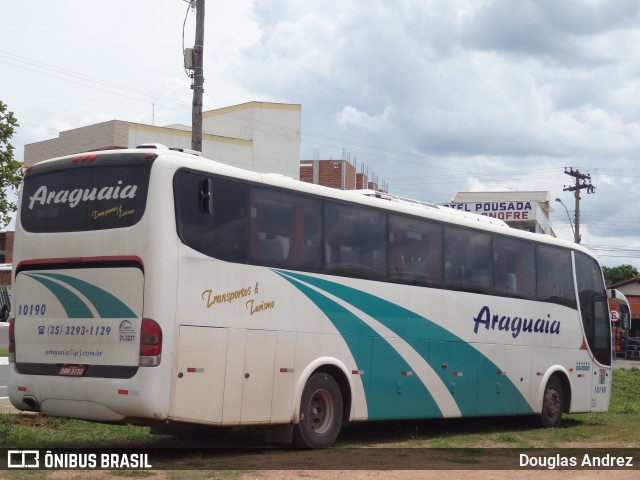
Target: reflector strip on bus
[357,372]
[286,370]
[195,370]
[84,158]
[132,393]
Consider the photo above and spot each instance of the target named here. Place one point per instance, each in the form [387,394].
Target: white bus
[158,288]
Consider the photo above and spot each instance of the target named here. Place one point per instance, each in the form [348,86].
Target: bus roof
[186,159]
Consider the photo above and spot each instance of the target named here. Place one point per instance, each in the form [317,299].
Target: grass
[617,427]
[39,431]
[4,352]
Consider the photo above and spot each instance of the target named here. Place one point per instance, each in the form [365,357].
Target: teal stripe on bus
[387,396]
[72,304]
[106,304]
[411,327]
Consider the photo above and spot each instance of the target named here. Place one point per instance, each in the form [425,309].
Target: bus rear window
[110,191]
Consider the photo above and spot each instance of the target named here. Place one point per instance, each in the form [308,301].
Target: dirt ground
[369,463]
[369,475]
[439,474]
[367,454]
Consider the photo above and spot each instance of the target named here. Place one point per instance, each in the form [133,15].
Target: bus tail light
[12,341]
[150,343]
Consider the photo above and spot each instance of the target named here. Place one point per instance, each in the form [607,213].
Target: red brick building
[339,174]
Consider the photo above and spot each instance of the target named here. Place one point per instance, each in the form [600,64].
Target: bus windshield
[88,193]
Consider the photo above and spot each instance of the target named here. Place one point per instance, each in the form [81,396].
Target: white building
[522,210]
[259,136]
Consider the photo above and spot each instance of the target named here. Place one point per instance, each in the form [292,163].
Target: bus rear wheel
[552,404]
[320,413]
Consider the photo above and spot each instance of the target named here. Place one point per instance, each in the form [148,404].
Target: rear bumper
[96,399]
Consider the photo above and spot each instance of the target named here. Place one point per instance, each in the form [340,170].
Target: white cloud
[434,96]
[350,116]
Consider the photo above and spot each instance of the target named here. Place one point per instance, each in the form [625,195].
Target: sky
[433,96]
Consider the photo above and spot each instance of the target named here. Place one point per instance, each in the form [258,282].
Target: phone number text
[75,330]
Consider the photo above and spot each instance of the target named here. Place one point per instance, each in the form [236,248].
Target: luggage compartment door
[200,374]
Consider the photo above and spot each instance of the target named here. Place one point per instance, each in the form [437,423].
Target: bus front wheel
[320,413]
[552,404]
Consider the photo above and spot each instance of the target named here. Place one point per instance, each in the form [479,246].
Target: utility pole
[579,177]
[198,79]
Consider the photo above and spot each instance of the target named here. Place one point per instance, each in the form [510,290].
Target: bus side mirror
[206,196]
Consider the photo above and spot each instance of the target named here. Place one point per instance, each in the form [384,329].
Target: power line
[384,153]
[80,78]
[172,103]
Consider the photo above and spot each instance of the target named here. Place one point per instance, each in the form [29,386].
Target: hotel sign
[502,210]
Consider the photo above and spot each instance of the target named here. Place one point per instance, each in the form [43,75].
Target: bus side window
[285,229]
[554,276]
[467,255]
[211,215]
[415,251]
[514,267]
[593,307]
[194,226]
[355,240]
[231,215]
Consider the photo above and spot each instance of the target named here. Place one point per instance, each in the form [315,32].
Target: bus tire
[321,413]
[552,404]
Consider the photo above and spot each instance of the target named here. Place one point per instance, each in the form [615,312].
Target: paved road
[4,377]
[4,335]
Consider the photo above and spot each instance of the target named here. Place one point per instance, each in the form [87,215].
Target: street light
[569,217]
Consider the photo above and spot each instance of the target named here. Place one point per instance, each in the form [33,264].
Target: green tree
[11,171]
[620,273]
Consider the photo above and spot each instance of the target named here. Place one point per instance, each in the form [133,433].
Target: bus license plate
[72,370]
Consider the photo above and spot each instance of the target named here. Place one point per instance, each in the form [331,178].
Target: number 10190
[32,309]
